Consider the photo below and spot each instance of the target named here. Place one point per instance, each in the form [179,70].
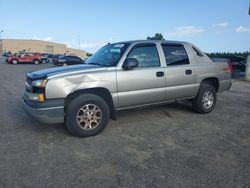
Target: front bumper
[57,63]
[50,111]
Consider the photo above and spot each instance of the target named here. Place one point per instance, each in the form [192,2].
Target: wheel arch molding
[99,91]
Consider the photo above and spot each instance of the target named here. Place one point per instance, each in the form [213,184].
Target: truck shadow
[165,109]
[124,116]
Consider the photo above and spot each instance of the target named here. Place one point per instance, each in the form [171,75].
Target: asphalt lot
[163,146]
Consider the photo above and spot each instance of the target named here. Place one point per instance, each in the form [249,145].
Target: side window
[78,59]
[175,55]
[74,58]
[68,58]
[147,56]
[198,53]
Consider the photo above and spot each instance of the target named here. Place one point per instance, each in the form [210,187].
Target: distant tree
[88,54]
[228,54]
[157,36]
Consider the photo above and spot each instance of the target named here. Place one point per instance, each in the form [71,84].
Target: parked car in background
[35,58]
[45,57]
[67,60]
[7,54]
[51,57]
[238,63]
[56,56]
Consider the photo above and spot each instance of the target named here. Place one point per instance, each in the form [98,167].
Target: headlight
[39,83]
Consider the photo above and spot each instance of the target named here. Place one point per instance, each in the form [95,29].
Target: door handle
[188,71]
[159,74]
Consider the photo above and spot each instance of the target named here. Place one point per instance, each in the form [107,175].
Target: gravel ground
[161,146]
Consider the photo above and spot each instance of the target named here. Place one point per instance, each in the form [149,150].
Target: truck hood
[43,74]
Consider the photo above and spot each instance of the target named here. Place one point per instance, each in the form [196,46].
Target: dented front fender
[61,86]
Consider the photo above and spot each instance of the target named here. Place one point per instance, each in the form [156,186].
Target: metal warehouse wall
[17,45]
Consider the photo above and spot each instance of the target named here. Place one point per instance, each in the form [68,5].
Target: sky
[212,25]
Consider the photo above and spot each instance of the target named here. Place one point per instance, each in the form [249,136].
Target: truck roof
[154,41]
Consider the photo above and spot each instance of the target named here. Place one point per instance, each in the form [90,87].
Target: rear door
[24,58]
[144,84]
[179,72]
[73,60]
[77,60]
[69,60]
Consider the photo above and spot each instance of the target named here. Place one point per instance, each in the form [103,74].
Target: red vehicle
[35,58]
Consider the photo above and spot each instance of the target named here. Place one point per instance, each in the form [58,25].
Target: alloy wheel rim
[89,116]
[207,100]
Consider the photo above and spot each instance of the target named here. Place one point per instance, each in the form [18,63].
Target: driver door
[22,58]
[144,84]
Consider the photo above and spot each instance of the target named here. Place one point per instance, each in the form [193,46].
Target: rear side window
[75,58]
[198,53]
[147,56]
[69,58]
[175,55]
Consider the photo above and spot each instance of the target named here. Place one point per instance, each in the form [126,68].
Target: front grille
[31,89]
[28,85]
[28,80]
[38,90]
[32,93]
[28,88]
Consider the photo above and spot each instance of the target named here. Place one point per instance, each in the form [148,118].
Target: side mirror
[130,63]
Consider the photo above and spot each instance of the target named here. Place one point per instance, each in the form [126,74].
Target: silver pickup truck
[120,76]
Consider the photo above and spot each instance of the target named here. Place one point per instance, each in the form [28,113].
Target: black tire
[14,61]
[36,61]
[198,101]
[44,61]
[73,108]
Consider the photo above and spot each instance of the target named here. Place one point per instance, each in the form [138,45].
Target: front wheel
[205,100]
[86,115]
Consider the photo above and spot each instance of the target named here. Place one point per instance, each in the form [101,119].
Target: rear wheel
[14,61]
[86,115]
[36,62]
[205,99]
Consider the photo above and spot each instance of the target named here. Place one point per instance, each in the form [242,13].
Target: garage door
[49,49]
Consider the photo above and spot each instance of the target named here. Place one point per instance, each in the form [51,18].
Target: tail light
[229,67]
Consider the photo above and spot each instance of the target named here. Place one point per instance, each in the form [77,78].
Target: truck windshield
[108,55]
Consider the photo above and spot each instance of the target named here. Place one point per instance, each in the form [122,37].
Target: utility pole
[247,72]
[249,9]
[1,52]
[79,43]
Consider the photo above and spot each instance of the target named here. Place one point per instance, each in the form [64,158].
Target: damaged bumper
[51,111]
